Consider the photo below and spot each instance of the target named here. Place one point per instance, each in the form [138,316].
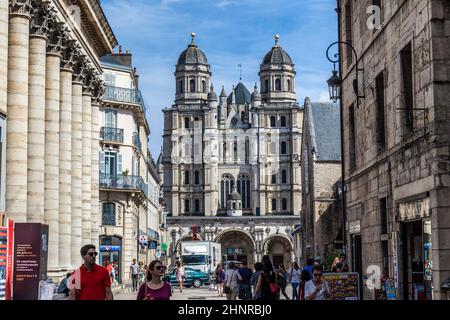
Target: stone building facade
[124,165]
[240,149]
[396,140]
[50,90]
[321,227]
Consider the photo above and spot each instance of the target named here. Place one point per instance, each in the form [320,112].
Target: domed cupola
[193,75]
[277,76]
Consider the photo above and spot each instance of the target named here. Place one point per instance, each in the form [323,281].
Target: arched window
[242,116]
[224,150]
[181,86]
[243,188]
[192,85]
[283,121]
[234,205]
[235,150]
[197,177]
[273,122]
[204,89]
[226,185]
[284,177]
[187,123]
[186,178]
[197,206]
[274,205]
[186,206]
[278,84]
[289,86]
[284,204]
[266,85]
[283,147]
[247,150]
[274,178]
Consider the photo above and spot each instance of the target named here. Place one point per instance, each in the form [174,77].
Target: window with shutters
[108,214]
[110,118]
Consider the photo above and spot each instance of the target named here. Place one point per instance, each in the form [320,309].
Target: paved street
[202,293]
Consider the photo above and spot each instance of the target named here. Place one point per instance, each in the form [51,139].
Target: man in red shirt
[90,281]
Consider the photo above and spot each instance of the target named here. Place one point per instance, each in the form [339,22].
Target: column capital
[21,8]
[70,54]
[80,69]
[57,36]
[98,90]
[89,80]
[43,14]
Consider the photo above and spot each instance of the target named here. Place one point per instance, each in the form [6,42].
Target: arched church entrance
[237,245]
[279,249]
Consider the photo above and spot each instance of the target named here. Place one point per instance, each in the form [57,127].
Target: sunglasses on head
[92,254]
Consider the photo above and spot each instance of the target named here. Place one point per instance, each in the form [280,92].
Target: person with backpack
[294,279]
[282,280]
[267,286]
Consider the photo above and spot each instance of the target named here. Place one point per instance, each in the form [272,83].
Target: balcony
[112,135]
[137,141]
[125,183]
[124,95]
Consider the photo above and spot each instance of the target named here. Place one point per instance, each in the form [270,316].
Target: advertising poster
[343,286]
[30,260]
[3,261]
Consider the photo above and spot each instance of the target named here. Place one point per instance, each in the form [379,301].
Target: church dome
[277,55]
[192,55]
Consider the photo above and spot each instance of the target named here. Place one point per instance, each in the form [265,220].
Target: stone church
[231,163]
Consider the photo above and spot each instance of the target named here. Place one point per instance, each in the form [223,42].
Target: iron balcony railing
[137,141]
[124,95]
[111,134]
[122,182]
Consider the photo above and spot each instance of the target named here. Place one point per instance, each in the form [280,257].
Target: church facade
[231,163]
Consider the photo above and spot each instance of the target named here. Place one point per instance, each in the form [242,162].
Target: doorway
[357,261]
[417,260]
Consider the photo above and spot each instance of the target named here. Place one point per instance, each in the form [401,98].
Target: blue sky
[230,32]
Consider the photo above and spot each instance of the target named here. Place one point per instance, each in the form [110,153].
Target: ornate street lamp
[335,82]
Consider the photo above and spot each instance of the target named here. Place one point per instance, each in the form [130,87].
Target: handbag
[274,288]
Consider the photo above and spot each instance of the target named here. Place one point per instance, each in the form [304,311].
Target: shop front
[111,253]
[416,250]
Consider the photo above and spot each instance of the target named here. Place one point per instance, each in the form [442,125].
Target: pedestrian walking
[134,273]
[181,275]
[267,286]
[254,280]
[90,281]
[282,280]
[309,267]
[304,278]
[317,288]
[231,282]
[294,278]
[245,287]
[155,288]
[219,274]
[141,273]
[64,285]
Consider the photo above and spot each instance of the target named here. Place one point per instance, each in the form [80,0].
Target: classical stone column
[87,159]
[95,199]
[65,156]
[3,54]
[17,105]
[76,185]
[36,114]
[52,110]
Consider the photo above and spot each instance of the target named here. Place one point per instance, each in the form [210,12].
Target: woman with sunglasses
[155,288]
[317,288]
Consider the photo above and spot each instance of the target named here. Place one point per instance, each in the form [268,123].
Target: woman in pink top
[155,288]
